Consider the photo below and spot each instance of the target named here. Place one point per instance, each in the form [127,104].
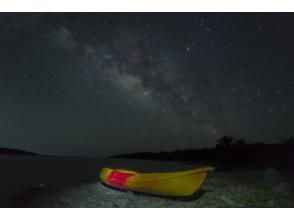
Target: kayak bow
[182,183]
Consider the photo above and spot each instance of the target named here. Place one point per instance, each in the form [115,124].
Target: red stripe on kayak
[119,178]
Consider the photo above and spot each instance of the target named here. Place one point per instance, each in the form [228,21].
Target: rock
[270,203]
[272,177]
[276,182]
[228,201]
[283,187]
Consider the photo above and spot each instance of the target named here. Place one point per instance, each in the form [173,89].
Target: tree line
[229,151]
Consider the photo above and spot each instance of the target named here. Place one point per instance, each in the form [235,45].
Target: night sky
[96,84]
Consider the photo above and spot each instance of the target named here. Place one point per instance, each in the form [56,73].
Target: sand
[41,181]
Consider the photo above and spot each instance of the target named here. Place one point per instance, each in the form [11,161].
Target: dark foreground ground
[39,181]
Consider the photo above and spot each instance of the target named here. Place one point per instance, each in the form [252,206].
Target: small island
[10,151]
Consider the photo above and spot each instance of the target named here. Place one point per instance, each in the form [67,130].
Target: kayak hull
[177,184]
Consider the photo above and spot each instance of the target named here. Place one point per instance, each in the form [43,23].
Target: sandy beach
[44,181]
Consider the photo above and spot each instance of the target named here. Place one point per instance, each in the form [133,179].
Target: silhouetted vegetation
[8,151]
[231,152]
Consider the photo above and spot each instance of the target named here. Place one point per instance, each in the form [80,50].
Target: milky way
[97,84]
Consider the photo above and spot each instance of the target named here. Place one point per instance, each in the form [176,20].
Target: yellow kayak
[183,183]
